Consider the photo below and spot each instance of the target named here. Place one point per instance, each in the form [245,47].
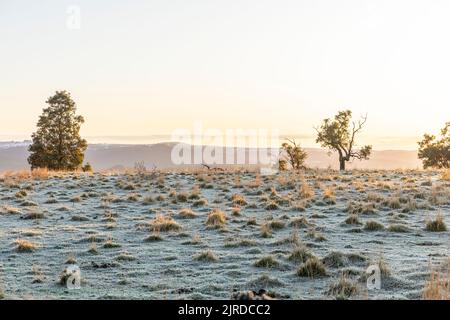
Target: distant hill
[13,156]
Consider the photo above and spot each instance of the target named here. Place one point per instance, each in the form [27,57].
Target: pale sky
[138,68]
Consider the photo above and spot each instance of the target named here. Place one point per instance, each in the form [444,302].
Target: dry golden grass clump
[266,230]
[164,223]
[187,213]
[400,228]
[352,219]
[110,244]
[299,222]
[156,236]
[40,174]
[305,191]
[446,175]
[236,212]
[276,224]
[207,256]
[437,224]
[93,248]
[373,225]
[9,210]
[200,203]
[267,262]
[329,196]
[300,253]
[343,289]
[272,206]
[125,256]
[216,219]
[437,287]
[312,268]
[25,245]
[238,200]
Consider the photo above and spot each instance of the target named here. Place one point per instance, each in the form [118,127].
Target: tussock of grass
[238,200]
[446,175]
[154,237]
[400,228]
[125,256]
[276,224]
[216,219]
[164,223]
[272,206]
[110,244]
[437,224]
[79,218]
[233,243]
[148,200]
[437,287]
[343,289]
[236,211]
[200,203]
[93,248]
[373,225]
[329,196]
[300,253]
[187,213]
[33,215]
[267,262]
[25,245]
[352,219]
[207,256]
[252,221]
[9,210]
[305,191]
[312,268]
[182,197]
[335,259]
[299,222]
[266,231]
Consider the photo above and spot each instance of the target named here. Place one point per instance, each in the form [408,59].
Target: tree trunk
[342,163]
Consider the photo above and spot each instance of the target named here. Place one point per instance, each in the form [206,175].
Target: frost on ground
[205,235]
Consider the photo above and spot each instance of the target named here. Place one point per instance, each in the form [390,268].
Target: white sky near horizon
[142,68]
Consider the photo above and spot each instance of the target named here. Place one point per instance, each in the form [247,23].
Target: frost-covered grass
[204,234]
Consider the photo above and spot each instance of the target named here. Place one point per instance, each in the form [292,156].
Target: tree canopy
[339,134]
[57,145]
[434,152]
[292,154]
